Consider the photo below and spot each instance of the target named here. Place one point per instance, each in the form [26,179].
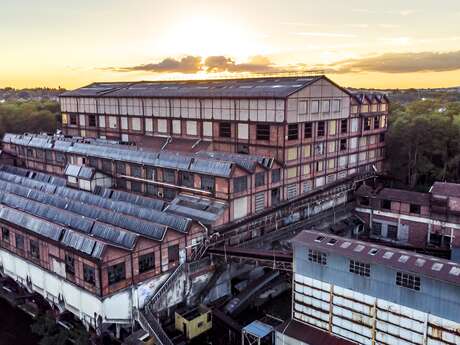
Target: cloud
[186,64]
[256,64]
[400,63]
[194,64]
[323,34]
[389,26]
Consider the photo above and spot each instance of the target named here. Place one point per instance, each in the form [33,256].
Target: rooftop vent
[420,262]
[403,258]
[388,255]
[331,242]
[359,248]
[437,266]
[455,271]
[319,239]
[373,251]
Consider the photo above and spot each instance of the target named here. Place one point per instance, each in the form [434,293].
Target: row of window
[116,272]
[262,129]
[386,205]
[403,279]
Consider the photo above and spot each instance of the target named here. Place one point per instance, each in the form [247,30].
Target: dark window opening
[92,120]
[73,119]
[169,193]
[136,187]
[344,126]
[136,171]
[367,124]
[263,132]
[408,281]
[173,253]
[93,162]
[386,204]
[414,208]
[392,232]
[308,130]
[321,129]
[360,268]
[240,184]
[377,229]
[382,137]
[186,179]
[242,148]
[69,264]
[150,173]
[34,249]
[208,183]
[89,274]
[225,130]
[19,242]
[276,175]
[107,166]
[293,131]
[317,257]
[376,122]
[343,144]
[364,201]
[49,155]
[120,168]
[260,179]
[152,190]
[169,176]
[5,235]
[146,262]
[116,273]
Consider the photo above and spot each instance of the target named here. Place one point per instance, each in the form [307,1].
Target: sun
[208,35]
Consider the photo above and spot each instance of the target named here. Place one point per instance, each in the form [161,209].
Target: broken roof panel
[82,243]
[211,167]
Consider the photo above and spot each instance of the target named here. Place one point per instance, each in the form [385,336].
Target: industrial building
[423,221]
[370,294]
[112,218]
[318,131]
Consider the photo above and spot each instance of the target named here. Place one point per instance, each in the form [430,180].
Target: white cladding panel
[362,318]
[321,100]
[240,207]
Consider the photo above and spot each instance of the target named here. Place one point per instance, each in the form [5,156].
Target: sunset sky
[382,44]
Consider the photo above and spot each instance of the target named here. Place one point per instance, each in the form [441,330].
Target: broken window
[146,262]
[116,273]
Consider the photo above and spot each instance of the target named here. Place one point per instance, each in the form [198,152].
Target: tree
[423,142]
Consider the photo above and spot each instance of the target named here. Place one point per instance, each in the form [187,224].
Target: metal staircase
[148,315]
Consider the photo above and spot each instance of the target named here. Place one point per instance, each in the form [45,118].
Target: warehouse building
[317,130]
[99,255]
[370,294]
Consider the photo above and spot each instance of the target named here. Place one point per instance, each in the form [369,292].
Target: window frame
[225,129]
[263,131]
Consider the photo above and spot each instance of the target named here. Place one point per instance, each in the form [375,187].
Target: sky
[369,44]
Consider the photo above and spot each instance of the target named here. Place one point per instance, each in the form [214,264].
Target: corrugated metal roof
[215,161]
[201,209]
[31,223]
[83,244]
[264,87]
[72,170]
[211,167]
[429,266]
[114,235]
[148,222]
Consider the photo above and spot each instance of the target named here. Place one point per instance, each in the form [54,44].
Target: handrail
[148,313]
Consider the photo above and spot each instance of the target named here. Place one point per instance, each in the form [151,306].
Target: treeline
[423,142]
[31,116]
